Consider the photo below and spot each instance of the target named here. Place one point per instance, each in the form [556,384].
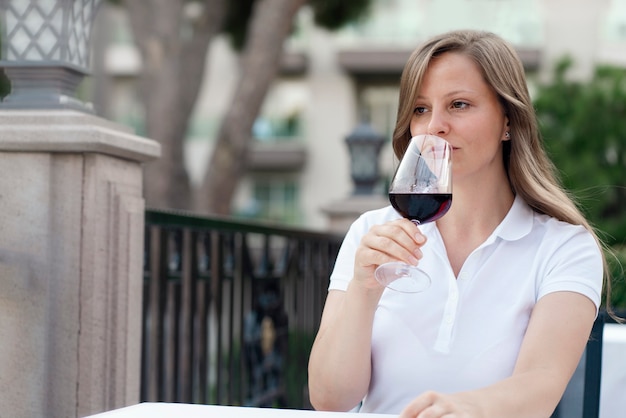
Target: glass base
[402,277]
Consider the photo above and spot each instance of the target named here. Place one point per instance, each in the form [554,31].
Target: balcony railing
[230,310]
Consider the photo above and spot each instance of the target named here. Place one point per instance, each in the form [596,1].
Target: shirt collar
[517,223]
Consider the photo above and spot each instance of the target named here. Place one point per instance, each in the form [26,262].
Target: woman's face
[457,104]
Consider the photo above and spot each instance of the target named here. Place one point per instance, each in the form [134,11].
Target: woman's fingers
[437,405]
[399,240]
[395,241]
[420,405]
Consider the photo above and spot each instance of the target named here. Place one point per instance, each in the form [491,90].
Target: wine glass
[421,190]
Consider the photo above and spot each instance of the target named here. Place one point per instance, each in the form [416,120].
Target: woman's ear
[507,130]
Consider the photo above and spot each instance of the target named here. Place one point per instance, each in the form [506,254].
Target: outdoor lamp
[45,51]
[364,144]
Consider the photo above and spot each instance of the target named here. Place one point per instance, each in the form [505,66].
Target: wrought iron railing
[230,310]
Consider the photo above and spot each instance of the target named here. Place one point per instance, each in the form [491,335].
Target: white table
[176,410]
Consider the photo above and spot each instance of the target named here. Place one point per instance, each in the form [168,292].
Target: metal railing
[230,310]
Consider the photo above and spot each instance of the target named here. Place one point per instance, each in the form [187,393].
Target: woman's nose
[438,123]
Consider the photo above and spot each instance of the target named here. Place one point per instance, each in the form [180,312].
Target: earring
[507,135]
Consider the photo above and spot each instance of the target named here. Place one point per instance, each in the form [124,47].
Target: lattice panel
[48,30]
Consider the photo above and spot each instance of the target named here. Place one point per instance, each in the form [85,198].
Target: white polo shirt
[465,333]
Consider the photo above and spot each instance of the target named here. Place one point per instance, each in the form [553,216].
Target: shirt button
[449,320]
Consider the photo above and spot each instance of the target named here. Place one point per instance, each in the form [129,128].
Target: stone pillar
[343,212]
[71,254]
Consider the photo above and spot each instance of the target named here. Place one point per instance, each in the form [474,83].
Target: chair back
[586,379]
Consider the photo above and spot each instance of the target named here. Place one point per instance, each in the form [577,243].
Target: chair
[592,373]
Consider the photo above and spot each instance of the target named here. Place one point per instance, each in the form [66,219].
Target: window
[381,103]
[280,118]
[274,199]
[615,23]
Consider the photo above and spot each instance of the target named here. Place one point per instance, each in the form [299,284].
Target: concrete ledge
[71,131]
[342,213]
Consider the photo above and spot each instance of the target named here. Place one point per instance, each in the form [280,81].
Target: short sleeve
[344,265]
[575,265]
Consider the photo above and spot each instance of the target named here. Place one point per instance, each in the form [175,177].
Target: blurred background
[282,110]
[274,120]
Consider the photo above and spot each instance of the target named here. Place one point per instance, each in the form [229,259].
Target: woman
[517,271]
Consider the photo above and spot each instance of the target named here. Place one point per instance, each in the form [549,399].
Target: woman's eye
[419,110]
[459,105]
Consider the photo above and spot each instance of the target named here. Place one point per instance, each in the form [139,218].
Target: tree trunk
[270,25]
[173,59]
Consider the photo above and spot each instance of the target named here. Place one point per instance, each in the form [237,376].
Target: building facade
[300,164]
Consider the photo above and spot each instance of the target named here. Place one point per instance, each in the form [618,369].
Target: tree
[173,47]
[584,126]
[259,64]
[173,37]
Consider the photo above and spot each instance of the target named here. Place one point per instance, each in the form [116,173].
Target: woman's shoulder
[554,226]
[563,237]
[540,223]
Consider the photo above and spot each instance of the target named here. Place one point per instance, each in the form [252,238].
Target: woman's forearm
[553,345]
[528,395]
[533,395]
[340,361]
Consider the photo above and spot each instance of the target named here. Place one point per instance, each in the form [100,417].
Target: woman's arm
[340,361]
[556,337]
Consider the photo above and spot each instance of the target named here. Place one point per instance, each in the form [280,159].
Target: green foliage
[237,19]
[5,85]
[617,261]
[584,128]
[300,344]
[295,373]
[333,14]
[329,14]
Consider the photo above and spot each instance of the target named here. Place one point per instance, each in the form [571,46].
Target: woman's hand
[398,240]
[435,405]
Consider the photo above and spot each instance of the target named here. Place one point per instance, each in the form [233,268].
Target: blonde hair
[531,173]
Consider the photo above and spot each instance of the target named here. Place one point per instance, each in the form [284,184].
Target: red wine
[421,207]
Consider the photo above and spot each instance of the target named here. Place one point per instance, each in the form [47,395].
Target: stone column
[71,254]
[342,213]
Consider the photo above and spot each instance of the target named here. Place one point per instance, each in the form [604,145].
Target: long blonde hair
[531,173]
